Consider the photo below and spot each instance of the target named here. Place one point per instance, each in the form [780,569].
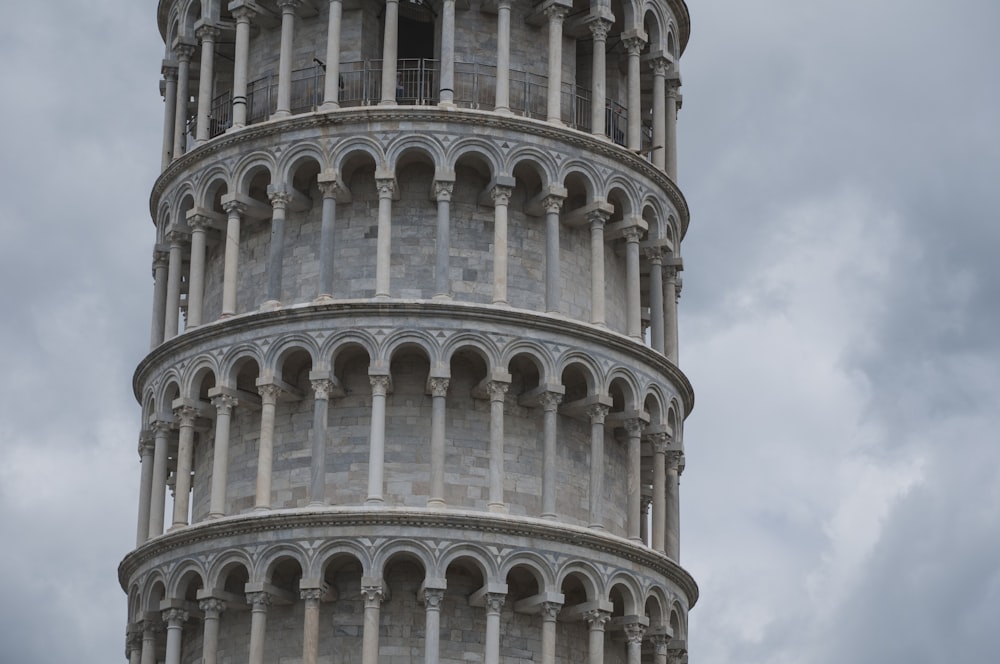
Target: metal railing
[418,83]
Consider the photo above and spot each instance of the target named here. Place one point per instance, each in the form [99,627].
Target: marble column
[169,111]
[634,633]
[376,445]
[676,654]
[597,219]
[184,53]
[494,602]
[597,414]
[442,192]
[150,628]
[447,92]
[660,66]
[147,446]
[634,46]
[655,257]
[372,595]
[659,444]
[644,535]
[171,324]
[501,198]
[241,64]
[633,428]
[330,188]
[310,624]
[670,313]
[185,454]
[133,643]
[207,33]
[673,101]
[633,285]
[598,102]
[175,619]
[596,619]
[331,88]
[553,288]
[672,536]
[383,246]
[390,44]
[280,199]
[199,225]
[161,262]
[432,624]
[284,106]
[224,405]
[502,104]
[497,391]
[555,14]
[230,277]
[269,393]
[212,609]
[157,501]
[258,601]
[550,611]
[550,403]
[439,393]
[322,388]
[660,642]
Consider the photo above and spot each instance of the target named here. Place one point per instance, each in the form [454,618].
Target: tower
[413,381]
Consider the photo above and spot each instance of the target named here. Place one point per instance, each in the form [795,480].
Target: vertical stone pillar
[224,405]
[442,192]
[265,453]
[660,66]
[331,87]
[673,101]
[147,446]
[161,261]
[670,313]
[555,14]
[550,403]
[383,248]
[633,428]
[372,595]
[633,46]
[322,389]
[376,444]
[184,52]
[258,601]
[596,619]
[674,464]
[497,391]
[169,70]
[660,642]
[502,104]
[597,219]
[150,628]
[655,257]
[199,225]
[133,643]
[284,106]
[230,278]
[157,501]
[447,93]
[597,413]
[185,453]
[390,43]
[276,251]
[494,602]
[598,103]
[212,609]
[175,268]
[553,288]
[633,283]
[432,624]
[330,188]
[644,522]
[501,197]
[676,652]
[659,441]
[633,637]
[207,33]
[439,393]
[550,611]
[310,624]
[175,619]
[241,63]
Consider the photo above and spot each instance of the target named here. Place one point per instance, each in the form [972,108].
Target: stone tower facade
[412,393]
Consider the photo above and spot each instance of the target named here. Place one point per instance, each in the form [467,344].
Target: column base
[498,508]
[328,106]
[375,501]
[387,102]
[270,305]
[442,296]
[596,526]
[280,115]
[503,111]
[235,127]
[323,299]
[317,504]
[436,504]
[382,296]
[214,515]
[260,509]
[551,516]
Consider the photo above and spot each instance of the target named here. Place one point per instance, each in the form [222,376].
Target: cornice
[359,115]
[348,517]
[515,318]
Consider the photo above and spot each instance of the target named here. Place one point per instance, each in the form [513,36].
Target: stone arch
[580,367]
[630,594]
[471,555]
[527,372]
[654,403]
[287,346]
[655,607]
[155,592]
[148,406]
[576,176]
[251,171]
[540,161]
[479,152]
[173,31]
[186,580]
[340,552]
[191,14]
[541,568]
[348,341]
[170,389]
[162,220]
[272,565]
[478,344]
[651,210]
[623,196]
[407,341]
[300,156]
[134,606]
[539,354]
[402,548]
[212,186]
[584,574]
[621,383]
[230,572]
[654,23]
[678,621]
[357,149]
[184,198]
[414,147]
[234,361]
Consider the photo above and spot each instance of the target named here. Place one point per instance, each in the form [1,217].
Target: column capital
[133,637]
[169,70]
[322,388]
[147,442]
[660,642]
[289,5]
[206,31]
[501,194]
[380,384]
[654,254]
[244,10]
[329,185]
[550,401]
[184,49]
[632,234]
[162,427]
[177,234]
[433,597]
[597,618]
[553,203]
[660,66]
[311,594]
[186,414]
[598,217]
[599,28]
[634,426]
[197,221]
[660,441]
[259,600]
[550,611]
[443,190]
[634,44]
[161,258]
[386,187]
[676,655]
[438,386]
[234,207]
[555,13]
[497,389]
[494,602]
[372,595]
[224,403]
[174,616]
[269,392]
[212,606]
[597,413]
[674,460]
[634,633]
[674,87]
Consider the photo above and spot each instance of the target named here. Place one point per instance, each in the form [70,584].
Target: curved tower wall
[412,393]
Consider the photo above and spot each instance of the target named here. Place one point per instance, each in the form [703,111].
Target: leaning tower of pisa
[413,392]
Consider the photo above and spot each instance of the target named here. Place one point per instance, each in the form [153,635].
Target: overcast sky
[840,319]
